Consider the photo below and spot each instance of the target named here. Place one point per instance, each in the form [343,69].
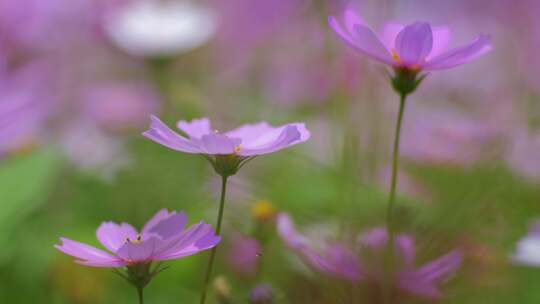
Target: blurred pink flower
[445,136]
[243,254]
[341,260]
[25,107]
[121,106]
[523,156]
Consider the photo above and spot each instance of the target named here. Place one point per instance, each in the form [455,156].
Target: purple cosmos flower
[528,248]
[408,49]
[227,151]
[162,238]
[367,264]
[415,46]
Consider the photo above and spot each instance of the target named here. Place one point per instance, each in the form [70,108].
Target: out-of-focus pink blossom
[243,254]
[121,106]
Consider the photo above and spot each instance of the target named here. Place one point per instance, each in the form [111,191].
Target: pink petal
[218,144]
[160,133]
[195,128]
[441,39]
[276,139]
[87,254]
[414,43]
[170,226]
[158,217]
[363,39]
[389,34]
[113,236]
[461,55]
[141,252]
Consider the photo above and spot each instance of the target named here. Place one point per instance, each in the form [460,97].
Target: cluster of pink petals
[163,237]
[341,260]
[418,46]
[247,140]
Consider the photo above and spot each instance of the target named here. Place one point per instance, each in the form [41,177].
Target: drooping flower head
[528,248]
[409,49]
[227,151]
[348,262]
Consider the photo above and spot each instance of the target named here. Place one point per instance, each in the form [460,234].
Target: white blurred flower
[161,28]
[528,248]
[91,150]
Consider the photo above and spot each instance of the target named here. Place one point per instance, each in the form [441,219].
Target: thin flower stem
[140,293]
[218,232]
[392,197]
[395,164]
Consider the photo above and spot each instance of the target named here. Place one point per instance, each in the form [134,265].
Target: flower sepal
[228,164]
[140,274]
[406,80]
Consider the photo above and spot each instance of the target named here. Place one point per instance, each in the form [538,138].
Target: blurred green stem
[140,293]
[392,197]
[218,232]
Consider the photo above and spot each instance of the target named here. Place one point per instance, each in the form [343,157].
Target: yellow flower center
[263,210]
[237,148]
[395,56]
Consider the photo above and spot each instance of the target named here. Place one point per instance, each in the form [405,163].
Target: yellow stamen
[237,148]
[395,56]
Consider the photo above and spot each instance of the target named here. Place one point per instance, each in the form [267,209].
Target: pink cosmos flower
[417,46]
[162,238]
[343,261]
[243,143]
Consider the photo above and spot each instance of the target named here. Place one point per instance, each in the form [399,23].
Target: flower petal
[170,226]
[198,237]
[389,34]
[140,252]
[218,144]
[414,43]
[441,39]
[276,139]
[158,217]
[195,128]
[160,133]
[113,236]
[425,280]
[461,55]
[441,268]
[361,38]
[88,255]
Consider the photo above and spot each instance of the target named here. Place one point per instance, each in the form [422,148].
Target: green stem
[392,198]
[140,293]
[395,164]
[218,232]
